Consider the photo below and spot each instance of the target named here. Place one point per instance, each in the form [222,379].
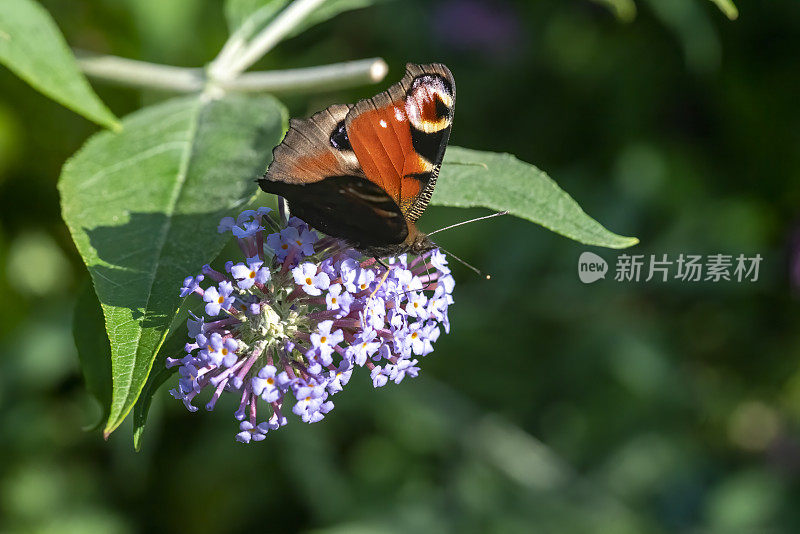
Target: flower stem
[134,73]
[270,36]
[311,79]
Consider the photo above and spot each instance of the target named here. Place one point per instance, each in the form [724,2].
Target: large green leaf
[263,11]
[94,352]
[32,47]
[143,206]
[470,178]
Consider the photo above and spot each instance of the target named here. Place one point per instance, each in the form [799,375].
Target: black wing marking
[348,207]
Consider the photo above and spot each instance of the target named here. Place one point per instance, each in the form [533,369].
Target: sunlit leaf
[727,7]
[143,206]
[624,10]
[470,178]
[33,48]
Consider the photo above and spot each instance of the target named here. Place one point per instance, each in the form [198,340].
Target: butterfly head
[420,244]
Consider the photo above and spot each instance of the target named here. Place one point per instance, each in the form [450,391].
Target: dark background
[553,406]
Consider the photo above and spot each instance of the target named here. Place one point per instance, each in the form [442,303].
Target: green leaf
[624,10]
[94,352]
[264,11]
[470,178]
[173,347]
[143,206]
[33,48]
[727,7]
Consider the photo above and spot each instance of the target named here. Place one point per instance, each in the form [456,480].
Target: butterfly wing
[365,173]
[314,149]
[399,136]
[316,170]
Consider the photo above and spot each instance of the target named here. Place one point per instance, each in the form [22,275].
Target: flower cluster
[289,324]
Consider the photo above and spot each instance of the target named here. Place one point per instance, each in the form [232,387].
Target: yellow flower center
[414,335]
[224,351]
[252,274]
[308,281]
[270,381]
[333,300]
[284,246]
[323,339]
[221,299]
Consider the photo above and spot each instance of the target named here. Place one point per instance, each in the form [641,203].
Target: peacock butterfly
[366,172]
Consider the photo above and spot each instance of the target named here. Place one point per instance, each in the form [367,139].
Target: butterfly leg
[383,278]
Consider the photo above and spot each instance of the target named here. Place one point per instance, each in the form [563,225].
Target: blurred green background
[553,406]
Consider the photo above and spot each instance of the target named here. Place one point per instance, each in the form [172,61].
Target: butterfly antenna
[499,213]
[465,264]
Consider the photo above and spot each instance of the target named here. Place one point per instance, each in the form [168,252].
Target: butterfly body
[366,172]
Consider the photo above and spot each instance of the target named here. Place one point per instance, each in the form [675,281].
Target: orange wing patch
[381,140]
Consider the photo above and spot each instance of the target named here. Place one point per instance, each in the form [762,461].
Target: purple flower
[364,346]
[218,299]
[222,352]
[226,225]
[250,432]
[196,325]
[265,385]
[338,300]
[247,229]
[297,239]
[299,320]
[252,273]
[305,275]
[439,262]
[379,378]
[354,277]
[324,340]
[339,378]
[416,305]
[418,338]
[397,372]
[191,284]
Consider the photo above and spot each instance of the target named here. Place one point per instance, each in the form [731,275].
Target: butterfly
[365,172]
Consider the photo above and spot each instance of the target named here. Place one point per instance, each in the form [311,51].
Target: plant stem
[135,73]
[262,43]
[310,79]
[142,74]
